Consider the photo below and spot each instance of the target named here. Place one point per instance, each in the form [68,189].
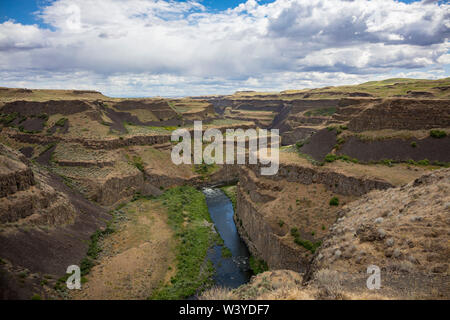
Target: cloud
[141,46]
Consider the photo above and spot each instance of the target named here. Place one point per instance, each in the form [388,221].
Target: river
[231,271]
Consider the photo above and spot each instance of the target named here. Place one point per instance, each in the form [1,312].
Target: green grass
[257,265]
[308,245]
[61,122]
[230,192]
[321,112]
[333,157]
[94,248]
[137,162]
[438,134]
[309,158]
[205,169]
[187,213]
[6,119]
[226,253]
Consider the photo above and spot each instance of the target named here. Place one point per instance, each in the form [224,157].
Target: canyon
[362,180]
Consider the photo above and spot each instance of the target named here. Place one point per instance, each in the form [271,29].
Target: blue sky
[23,11]
[179,48]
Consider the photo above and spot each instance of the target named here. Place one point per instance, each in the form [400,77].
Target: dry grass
[383,89]
[136,258]
[330,282]
[218,293]
[404,231]
[44,95]
[387,134]
[397,175]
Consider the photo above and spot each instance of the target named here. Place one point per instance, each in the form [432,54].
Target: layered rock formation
[44,226]
[297,197]
[404,231]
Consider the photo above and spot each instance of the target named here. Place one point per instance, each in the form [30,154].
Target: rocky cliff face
[14,174]
[296,198]
[26,196]
[403,231]
[44,226]
[399,114]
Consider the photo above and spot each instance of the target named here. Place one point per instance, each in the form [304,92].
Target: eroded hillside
[403,231]
[347,168]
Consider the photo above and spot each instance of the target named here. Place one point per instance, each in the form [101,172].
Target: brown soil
[135,258]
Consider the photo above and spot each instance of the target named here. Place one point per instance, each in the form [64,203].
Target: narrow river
[231,271]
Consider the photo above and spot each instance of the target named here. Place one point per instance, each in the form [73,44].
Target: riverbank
[158,250]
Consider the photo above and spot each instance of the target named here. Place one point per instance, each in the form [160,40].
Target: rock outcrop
[403,114]
[261,202]
[403,231]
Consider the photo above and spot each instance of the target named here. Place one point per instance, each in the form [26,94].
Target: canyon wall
[255,224]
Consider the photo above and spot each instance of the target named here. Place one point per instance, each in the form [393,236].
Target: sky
[140,48]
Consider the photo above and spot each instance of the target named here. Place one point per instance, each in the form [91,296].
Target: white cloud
[144,47]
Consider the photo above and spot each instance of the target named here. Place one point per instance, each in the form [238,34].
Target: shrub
[258,265]
[424,162]
[334,201]
[61,122]
[438,134]
[333,157]
[413,144]
[281,223]
[299,144]
[36,297]
[308,245]
[138,163]
[330,157]
[43,116]
[8,118]
[387,162]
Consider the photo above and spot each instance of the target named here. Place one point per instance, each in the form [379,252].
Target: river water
[231,271]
